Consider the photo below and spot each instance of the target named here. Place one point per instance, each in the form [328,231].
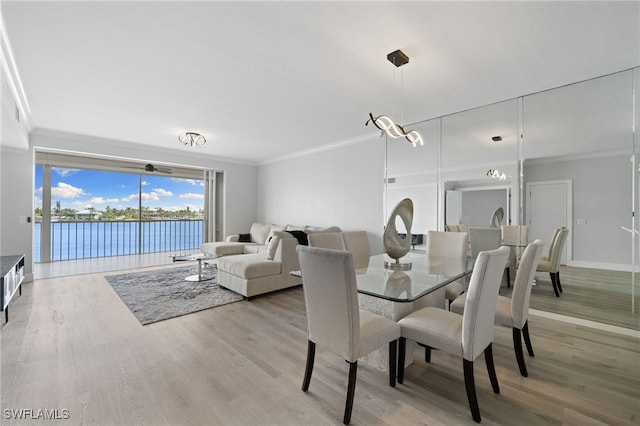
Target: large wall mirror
[566,158]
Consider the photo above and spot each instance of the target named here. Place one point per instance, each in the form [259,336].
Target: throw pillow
[301,236]
[272,246]
[244,238]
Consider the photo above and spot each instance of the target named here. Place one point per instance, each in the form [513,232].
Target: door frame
[569,209]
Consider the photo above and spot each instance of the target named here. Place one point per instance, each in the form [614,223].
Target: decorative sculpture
[395,245]
[497,217]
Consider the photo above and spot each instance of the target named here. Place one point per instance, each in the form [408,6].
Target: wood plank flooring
[592,294]
[70,343]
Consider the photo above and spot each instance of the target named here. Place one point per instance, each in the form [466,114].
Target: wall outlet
[582,221]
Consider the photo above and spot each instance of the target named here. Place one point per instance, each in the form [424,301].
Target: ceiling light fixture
[496,174]
[386,124]
[192,138]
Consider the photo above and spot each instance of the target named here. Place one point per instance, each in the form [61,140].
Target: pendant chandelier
[384,122]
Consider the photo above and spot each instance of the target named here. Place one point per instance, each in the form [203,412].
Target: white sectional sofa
[261,260]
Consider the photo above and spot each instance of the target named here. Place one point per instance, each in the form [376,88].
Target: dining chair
[483,239]
[446,246]
[516,237]
[334,320]
[514,311]
[551,262]
[357,242]
[329,240]
[467,335]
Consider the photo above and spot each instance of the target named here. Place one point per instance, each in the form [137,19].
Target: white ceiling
[265,79]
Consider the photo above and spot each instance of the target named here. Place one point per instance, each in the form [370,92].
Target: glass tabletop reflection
[425,276]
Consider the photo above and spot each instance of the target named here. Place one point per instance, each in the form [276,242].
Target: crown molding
[10,70]
[368,137]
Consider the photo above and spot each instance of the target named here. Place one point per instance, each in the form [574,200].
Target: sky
[80,189]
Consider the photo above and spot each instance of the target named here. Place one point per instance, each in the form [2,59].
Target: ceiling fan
[152,169]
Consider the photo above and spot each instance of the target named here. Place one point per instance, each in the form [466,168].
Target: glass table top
[425,276]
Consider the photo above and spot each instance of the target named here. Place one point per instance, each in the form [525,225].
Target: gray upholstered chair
[457,228]
[357,242]
[334,320]
[482,239]
[514,312]
[551,263]
[329,240]
[448,245]
[466,335]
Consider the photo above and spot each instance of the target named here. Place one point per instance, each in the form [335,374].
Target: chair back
[457,228]
[328,240]
[357,242]
[523,283]
[331,298]
[447,244]
[483,239]
[556,251]
[553,240]
[515,234]
[480,305]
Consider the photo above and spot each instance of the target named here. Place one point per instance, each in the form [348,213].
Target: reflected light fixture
[192,139]
[496,174]
[386,124]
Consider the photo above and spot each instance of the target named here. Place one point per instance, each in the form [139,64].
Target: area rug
[164,293]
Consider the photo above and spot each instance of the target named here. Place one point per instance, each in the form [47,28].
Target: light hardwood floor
[70,343]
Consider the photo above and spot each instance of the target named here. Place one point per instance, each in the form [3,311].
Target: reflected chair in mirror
[551,263]
[514,311]
[482,239]
[357,242]
[516,237]
[328,240]
[457,228]
[334,320]
[448,245]
[467,335]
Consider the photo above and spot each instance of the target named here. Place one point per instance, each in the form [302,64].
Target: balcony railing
[87,239]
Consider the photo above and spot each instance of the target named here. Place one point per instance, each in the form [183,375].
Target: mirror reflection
[573,167]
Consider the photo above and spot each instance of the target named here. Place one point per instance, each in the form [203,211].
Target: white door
[548,207]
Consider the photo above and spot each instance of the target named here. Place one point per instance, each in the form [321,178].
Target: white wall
[340,186]
[602,197]
[16,202]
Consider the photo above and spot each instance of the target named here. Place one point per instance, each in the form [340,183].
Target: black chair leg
[517,347]
[470,385]
[427,352]
[558,281]
[527,340]
[393,363]
[401,354]
[488,357]
[351,389]
[508,277]
[553,281]
[311,356]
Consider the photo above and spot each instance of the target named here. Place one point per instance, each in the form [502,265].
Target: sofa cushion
[259,232]
[244,238]
[254,248]
[249,266]
[221,248]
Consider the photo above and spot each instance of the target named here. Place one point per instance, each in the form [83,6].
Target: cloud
[190,181]
[64,190]
[64,172]
[192,196]
[163,192]
[100,200]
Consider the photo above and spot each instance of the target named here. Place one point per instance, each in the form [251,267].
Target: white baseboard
[603,265]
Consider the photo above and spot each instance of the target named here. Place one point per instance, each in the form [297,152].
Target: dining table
[395,293]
